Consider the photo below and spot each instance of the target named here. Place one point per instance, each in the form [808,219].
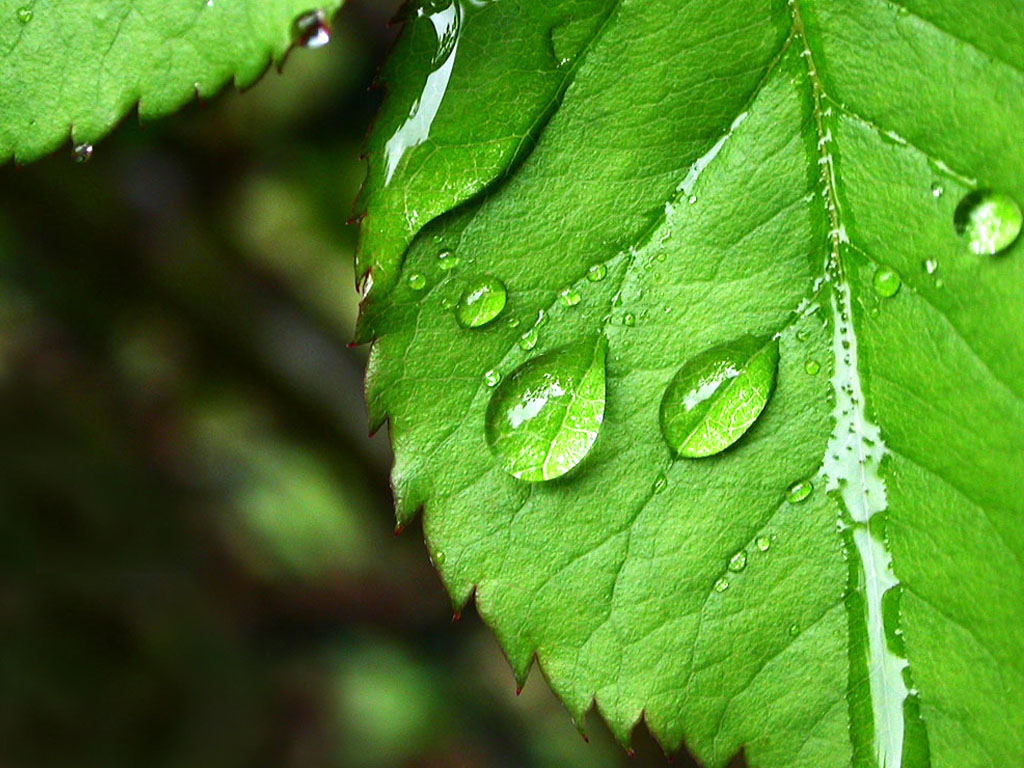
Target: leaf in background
[841,585]
[74,68]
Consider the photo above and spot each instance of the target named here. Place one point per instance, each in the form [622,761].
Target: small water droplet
[310,30]
[930,265]
[447,261]
[715,397]
[803,334]
[721,585]
[937,190]
[763,543]
[82,153]
[799,491]
[794,630]
[25,14]
[481,302]
[544,418]
[812,367]
[660,483]
[513,322]
[529,340]
[569,296]
[417,281]
[439,558]
[597,273]
[738,561]
[629,320]
[887,282]
[492,378]
[692,199]
[990,221]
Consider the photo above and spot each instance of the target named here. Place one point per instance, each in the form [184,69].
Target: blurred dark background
[198,565]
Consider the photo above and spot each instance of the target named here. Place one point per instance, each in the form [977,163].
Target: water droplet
[25,14]
[991,221]
[812,367]
[930,265]
[439,558]
[492,378]
[597,273]
[482,300]
[82,153]
[794,630]
[799,491]
[887,282]
[692,199]
[447,261]
[738,561]
[417,281]
[763,543]
[803,334]
[570,296]
[721,585]
[513,322]
[629,320]
[717,396]
[937,190]
[529,340]
[660,483]
[544,417]
[310,30]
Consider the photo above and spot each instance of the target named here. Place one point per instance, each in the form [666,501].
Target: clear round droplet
[417,281]
[887,282]
[447,261]
[492,378]
[812,367]
[481,302]
[629,320]
[597,273]
[738,561]
[82,153]
[721,585]
[763,543]
[716,396]
[989,221]
[529,340]
[569,296]
[930,265]
[799,491]
[660,483]
[937,190]
[25,14]
[310,30]
[544,418]
[794,630]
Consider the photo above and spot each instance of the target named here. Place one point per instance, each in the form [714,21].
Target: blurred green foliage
[198,566]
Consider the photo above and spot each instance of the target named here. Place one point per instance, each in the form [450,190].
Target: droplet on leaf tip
[310,30]
[82,153]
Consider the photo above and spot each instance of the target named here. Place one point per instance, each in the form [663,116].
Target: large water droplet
[715,397]
[990,221]
[738,561]
[799,491]
[482,301]
[310,30]
[529,340]
[887,282]
[544,417]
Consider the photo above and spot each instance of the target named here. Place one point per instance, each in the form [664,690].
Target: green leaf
[74,68]
[842,585]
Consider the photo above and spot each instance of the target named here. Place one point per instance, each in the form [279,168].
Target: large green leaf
[73,68]
[733,169]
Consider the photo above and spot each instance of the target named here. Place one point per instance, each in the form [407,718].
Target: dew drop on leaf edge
[82,153]
[716,396]
[989,221]
[482,300]
[310,30]
[544,417]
